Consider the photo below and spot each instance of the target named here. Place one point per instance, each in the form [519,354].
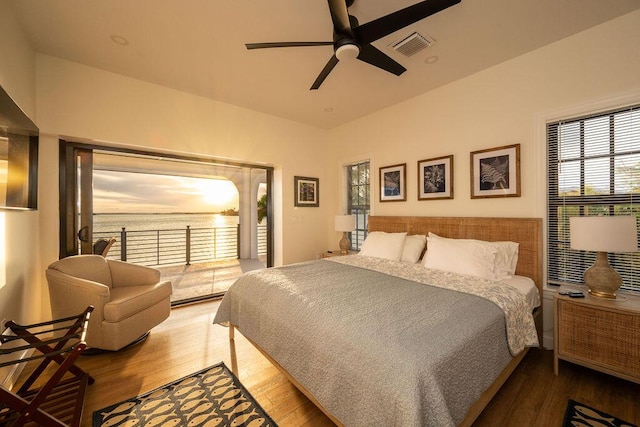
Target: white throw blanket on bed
[521,328]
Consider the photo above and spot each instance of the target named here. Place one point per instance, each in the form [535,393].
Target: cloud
[127,192]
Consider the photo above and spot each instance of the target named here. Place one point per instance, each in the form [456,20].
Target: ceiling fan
[352,40]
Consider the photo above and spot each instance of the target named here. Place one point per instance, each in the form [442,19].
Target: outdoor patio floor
[206,278]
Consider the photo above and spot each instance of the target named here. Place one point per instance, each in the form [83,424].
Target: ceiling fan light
[347,52]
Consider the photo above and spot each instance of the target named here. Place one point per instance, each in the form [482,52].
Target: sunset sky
[127,192]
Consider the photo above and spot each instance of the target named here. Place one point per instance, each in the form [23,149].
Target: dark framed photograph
[435,178]
[307,191]
[495,172]
[393,183]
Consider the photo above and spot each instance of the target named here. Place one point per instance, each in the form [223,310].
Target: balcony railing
[179,246]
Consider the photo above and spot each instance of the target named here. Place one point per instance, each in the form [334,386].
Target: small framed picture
[393,183]
[435,178]
[495,172]
[307,191]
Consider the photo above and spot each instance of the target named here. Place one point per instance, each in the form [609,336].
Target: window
[358,202]
[594,169]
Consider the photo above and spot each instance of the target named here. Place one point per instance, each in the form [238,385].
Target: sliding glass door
[201,223]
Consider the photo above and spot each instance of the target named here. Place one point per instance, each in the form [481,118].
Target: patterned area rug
[213,397]
[580,415]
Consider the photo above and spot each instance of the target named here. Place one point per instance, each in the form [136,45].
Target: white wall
[496,107]
[21,296]
[506,104]
[83,102]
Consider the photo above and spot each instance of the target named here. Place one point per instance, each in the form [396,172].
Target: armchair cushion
[127,274]
[129,300]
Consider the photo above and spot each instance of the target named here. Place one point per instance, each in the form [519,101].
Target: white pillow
[506,257]
[413,247]
[383,245]
[460,256]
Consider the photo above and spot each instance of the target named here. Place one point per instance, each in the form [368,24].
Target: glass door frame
[72,155]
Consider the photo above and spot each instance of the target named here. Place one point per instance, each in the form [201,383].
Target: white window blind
[358,203]
[594,169]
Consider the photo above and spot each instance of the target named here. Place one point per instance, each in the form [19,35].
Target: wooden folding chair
[102,246]
[60,401]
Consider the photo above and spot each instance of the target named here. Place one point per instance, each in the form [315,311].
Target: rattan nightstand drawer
[598,334]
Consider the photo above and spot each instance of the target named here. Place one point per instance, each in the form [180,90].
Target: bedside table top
[327,254]
[625,301]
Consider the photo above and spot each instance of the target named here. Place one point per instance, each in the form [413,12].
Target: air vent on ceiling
[412,44]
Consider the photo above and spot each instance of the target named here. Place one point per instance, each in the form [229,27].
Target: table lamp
[603,234]
[346,224]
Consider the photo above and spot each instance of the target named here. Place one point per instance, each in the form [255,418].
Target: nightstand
[598,333]
[329,254]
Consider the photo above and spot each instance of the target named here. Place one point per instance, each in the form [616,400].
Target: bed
[376,341]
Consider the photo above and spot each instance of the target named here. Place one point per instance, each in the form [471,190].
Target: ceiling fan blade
[285,44]
[378,28]
[325,72]
[375,57]
[340,17]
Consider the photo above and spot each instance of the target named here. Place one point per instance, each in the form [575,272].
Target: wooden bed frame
[526,231]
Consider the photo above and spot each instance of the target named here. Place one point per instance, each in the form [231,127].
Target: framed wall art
[393,183]
[307,191]
[435,178]
[495,172]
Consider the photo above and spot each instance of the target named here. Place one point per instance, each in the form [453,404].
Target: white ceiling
[197,46]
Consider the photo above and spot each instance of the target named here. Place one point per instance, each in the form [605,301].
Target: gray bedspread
[373,349]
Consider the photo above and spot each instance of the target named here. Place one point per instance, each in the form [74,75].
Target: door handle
[83,234]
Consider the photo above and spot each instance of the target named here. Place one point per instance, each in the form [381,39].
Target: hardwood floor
[185,343]
[534,396]
[188,341]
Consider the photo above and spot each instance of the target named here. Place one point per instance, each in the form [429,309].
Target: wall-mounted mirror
[18,157]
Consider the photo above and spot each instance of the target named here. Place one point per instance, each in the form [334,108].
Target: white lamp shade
[604,233]
[345,222]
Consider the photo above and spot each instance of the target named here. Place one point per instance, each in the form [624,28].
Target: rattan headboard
[526,231]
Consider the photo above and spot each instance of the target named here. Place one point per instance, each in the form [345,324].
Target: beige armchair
[128,299]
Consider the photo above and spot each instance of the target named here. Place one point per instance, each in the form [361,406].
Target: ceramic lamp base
[601,279]
[345,244]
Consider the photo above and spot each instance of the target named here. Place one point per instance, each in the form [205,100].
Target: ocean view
[104,223]
[157,239]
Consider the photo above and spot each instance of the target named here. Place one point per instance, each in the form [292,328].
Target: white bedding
[423,350]
[521,331]
[527,287]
